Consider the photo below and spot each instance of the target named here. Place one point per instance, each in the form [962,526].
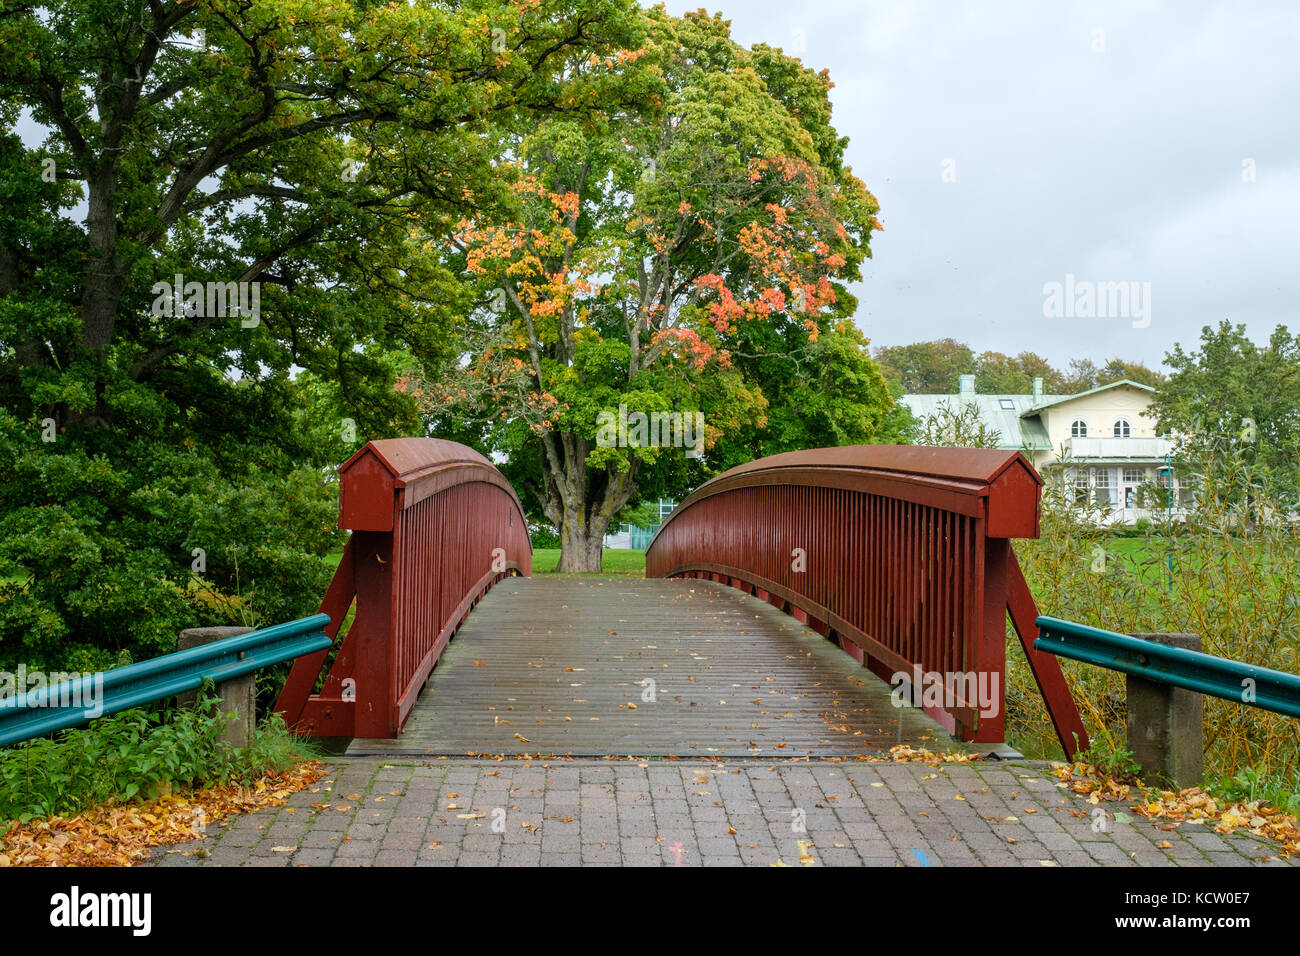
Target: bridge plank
[556,665]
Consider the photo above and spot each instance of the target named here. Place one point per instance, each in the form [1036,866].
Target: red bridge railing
[900,554]
[434,526]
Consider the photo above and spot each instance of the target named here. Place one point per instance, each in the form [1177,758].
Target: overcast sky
[1115,156]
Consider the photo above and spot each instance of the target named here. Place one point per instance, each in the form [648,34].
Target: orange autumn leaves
[789,266]
[123,835]
[1191,806]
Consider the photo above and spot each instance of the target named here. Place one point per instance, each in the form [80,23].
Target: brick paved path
[377,812]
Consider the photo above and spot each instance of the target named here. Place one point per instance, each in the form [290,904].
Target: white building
[1098,447]
[636,538]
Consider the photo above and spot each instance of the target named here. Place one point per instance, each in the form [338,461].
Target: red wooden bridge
[770,593]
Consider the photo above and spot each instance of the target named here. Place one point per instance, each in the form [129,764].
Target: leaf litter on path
[123,834]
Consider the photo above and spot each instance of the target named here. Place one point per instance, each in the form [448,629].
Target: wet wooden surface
[552,665]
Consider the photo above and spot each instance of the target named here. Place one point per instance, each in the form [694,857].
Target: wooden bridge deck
[557,665]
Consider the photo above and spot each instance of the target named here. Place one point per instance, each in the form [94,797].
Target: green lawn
[616,562]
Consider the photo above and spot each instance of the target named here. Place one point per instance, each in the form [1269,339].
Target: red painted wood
[305,671]
[907,556]
[991,651]
[434,526]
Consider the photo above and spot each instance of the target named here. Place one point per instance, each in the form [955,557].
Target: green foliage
[97,551]
[927,368]
[542,536]
[819,394]
[996,373]
[643,515]
[690,251]
[1111,759]
[232,143]
[932,368]
[1248,785]
[1234,410]
[1215,577]
[960,427]
[137,754]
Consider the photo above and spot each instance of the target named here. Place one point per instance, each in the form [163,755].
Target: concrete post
[1164,724]
[238,696]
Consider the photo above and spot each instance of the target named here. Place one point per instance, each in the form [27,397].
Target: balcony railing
[1120,448]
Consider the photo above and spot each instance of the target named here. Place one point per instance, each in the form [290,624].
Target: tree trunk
[583,504]
[582,537]
[580,550]
[105,273]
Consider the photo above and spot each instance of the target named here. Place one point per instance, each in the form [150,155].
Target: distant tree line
[928,368]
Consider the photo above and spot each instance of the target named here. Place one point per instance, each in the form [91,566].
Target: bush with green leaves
[107,552]
[136,754]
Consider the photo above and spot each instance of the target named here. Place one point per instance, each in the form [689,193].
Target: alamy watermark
[208,299]
[1085,299]
[59,689]
[655,430]
[932,689]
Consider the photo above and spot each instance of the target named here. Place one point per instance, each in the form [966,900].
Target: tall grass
[1231,575]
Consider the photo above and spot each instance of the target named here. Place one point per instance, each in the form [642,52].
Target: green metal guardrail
[75,702]
[1216,676]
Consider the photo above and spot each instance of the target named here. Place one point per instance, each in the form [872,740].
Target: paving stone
[666,816]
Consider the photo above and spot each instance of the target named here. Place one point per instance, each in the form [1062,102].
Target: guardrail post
[1164,723]
[237,696]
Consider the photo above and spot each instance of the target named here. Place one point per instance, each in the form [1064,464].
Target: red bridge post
[434,525]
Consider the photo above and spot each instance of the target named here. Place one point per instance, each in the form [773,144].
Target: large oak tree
[318,149]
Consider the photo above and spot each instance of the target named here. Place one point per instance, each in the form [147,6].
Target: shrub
[136,754]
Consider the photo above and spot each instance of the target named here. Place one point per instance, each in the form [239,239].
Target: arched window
[1078,428]
[1122,429]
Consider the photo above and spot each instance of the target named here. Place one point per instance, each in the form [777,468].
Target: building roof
[1048,400]
[1015,430]
[1019,427]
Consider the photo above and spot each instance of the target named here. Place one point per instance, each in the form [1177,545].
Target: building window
[1101,482]
[1078,428]
[1007,403]
[1122,429]
[1134,476]
[1081,487]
